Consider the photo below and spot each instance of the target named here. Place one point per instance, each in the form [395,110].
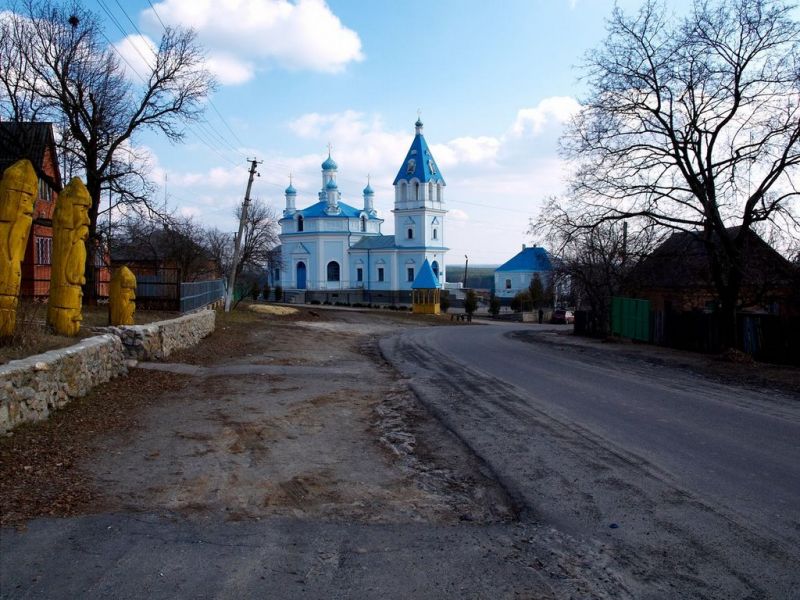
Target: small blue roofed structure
[425,291]
[515,275]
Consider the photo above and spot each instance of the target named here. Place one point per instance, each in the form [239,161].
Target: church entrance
[301,275]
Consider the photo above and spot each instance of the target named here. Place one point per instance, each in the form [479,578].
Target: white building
[516,275]
[333,251]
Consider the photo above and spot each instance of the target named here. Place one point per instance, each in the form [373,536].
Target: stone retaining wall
[156,341]
[30,388]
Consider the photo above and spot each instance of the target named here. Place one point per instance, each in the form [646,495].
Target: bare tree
[259,245]
[177,242]
[693,124]
[57,64]
[220,247]
[260,237]
[592,262]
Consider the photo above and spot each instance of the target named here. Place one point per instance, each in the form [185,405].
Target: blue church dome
[368,191]
[331,185]
[290,191]
[329,164]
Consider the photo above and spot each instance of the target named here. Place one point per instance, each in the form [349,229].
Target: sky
[494,83]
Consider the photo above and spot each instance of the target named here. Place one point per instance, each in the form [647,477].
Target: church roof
[425,279]
[423,167]
[329,164]
[529,259]
[345,210]
[375,242]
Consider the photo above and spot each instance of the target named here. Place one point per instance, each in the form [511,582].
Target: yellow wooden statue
[17,195]
[70,230]
[121,296]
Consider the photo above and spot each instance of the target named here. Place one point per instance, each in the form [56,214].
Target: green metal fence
[630,318]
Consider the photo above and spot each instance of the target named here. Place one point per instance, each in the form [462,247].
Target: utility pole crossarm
[238,243]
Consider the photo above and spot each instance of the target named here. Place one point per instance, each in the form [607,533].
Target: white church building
[332,251]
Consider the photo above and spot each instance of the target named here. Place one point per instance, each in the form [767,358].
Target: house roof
[682,262]
[374,242]
[528,259]
[425,279]
[423,167]
[27,140]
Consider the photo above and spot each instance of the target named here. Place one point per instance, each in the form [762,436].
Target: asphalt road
[694,485]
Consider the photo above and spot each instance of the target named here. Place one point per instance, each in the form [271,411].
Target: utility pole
[238,246]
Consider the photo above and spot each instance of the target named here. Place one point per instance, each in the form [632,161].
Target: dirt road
[280,458]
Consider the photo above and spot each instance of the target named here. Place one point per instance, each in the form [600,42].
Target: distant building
[35,142]
[676,276]
[336,252]
[516,275]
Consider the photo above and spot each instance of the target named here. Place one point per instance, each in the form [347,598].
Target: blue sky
[494,81]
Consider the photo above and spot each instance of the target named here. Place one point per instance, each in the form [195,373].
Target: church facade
[332,251]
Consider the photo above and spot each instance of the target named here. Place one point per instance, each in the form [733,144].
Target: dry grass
[269,309]
[32,336]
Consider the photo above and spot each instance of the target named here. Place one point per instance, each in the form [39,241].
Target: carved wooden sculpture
[122,296]
[70,230]
[17,195]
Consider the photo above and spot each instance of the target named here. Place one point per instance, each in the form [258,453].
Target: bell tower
[419,209]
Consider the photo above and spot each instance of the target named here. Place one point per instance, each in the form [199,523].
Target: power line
[155,12]
[215,137]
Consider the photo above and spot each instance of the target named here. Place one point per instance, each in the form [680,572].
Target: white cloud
[243,36]
[230,70]
[481,149]
[558,109]
[138,55]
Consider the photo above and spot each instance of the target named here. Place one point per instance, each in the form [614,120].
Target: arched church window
[430,191]
[403,191]
[410,233]
[438,192]
[416,191]
[333,271]
[435,267]
[363,223]
[300,223]
[436,234]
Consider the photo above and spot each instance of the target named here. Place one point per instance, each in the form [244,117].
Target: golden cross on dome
[329,149]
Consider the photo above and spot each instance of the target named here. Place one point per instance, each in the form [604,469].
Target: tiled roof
[26,140]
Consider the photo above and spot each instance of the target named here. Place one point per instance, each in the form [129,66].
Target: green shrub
[470,302]
[494,305]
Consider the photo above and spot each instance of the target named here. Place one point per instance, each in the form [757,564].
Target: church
[333,252]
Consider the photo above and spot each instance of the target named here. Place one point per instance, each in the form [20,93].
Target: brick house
[35,142]
[676,277]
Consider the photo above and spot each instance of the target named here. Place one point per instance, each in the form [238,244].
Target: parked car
[563,316]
